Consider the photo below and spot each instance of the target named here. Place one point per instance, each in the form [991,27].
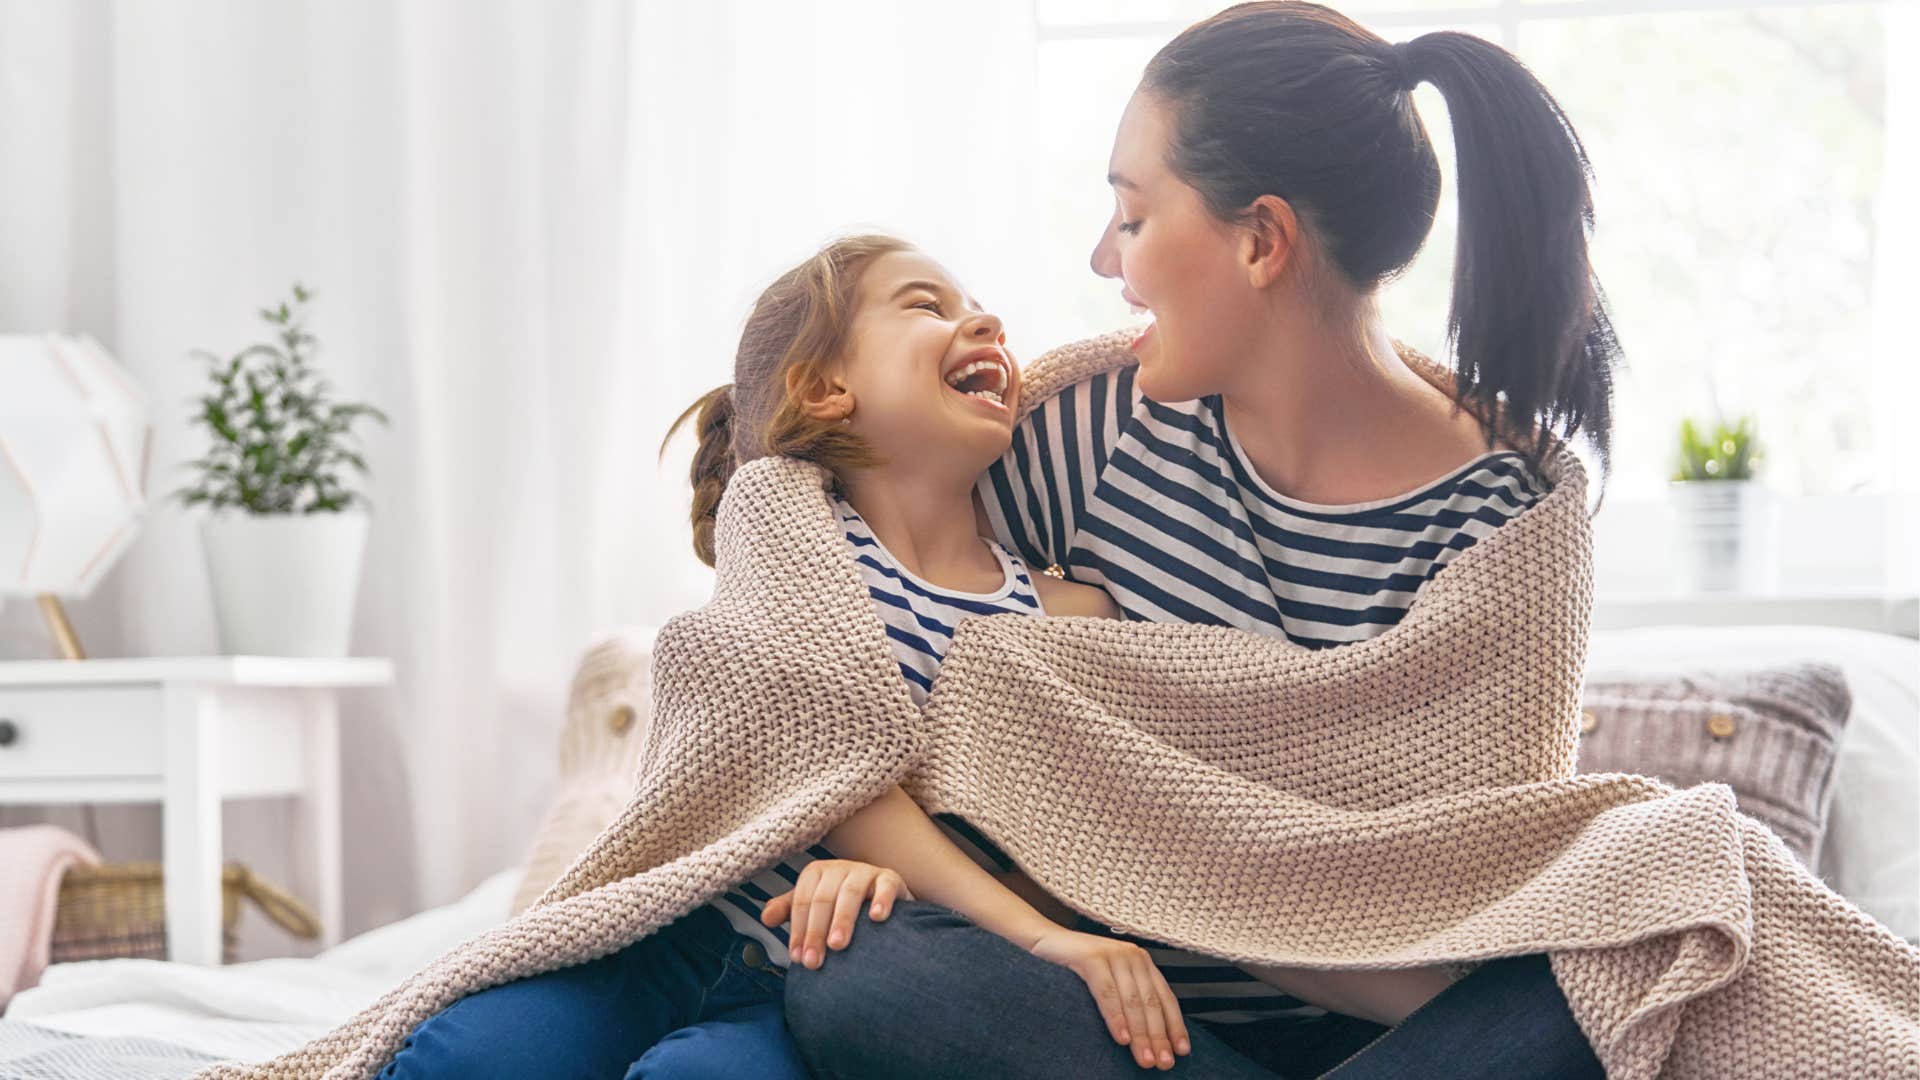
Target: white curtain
[534,229]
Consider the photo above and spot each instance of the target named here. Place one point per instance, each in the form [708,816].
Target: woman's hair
[799,329]
[1296,100]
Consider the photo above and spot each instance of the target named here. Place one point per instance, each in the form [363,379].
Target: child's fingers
[885,891]
[1106,996]
[776,910]
[801,907]
[1170,1006]
[1161,1047]
[846,908]
[819,914]
[1130,1000]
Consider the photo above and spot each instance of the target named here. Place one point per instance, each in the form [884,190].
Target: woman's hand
[1139,1007]
[826,900]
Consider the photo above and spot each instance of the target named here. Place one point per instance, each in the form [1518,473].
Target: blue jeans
[696,998]
[929,994]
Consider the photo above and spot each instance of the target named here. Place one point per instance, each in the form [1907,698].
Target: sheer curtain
[534,230]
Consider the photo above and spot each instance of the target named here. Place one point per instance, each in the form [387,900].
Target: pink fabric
[35,858]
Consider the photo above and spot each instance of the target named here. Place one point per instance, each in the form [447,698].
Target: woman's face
[916,334]
[1174,258]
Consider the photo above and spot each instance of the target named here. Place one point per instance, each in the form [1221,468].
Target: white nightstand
[187,732]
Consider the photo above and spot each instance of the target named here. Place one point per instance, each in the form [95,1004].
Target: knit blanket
[1405,800]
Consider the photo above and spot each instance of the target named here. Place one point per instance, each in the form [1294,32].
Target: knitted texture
[1408,799]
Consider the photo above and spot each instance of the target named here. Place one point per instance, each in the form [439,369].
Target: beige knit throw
[1408,799]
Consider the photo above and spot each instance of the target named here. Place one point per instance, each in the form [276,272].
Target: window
[1745,233]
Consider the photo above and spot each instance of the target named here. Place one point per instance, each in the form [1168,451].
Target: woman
[1273,464]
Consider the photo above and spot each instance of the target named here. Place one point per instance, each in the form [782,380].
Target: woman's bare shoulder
[1061,597]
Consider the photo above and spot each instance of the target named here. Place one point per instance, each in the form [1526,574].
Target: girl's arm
[894,832]
[1140,1009]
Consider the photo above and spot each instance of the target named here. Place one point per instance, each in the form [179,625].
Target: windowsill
[1844,560]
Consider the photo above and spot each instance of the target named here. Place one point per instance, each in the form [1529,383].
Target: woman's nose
[1106,253]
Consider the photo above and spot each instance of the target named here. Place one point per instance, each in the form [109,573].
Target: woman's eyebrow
[1117,180]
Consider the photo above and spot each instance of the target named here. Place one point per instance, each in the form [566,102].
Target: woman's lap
[677,1003]
[929,993]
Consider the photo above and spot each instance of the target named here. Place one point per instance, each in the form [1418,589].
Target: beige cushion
[1769,733]
[607,713]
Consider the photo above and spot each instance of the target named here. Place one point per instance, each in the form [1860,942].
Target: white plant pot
[284,584]
[1721,542]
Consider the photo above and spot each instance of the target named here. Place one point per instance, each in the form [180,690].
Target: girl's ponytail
[713,462]
[1528,319]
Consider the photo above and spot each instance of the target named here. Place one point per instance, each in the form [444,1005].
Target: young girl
[870,360]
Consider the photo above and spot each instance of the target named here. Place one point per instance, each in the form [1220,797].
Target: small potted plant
[286,534]
[1719,504]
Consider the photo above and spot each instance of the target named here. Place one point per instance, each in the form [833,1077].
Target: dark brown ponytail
[1296,100]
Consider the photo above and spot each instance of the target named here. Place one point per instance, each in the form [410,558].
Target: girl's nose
[984,326]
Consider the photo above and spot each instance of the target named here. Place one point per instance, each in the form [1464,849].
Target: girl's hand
[826,900]
[1139,1007]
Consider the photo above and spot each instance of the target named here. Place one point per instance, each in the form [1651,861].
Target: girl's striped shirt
[1159,505]
[920,618]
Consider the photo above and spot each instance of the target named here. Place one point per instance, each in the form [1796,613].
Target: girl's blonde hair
[799,328]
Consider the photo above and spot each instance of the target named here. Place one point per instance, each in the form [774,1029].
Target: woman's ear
[821,394]
[1270,240]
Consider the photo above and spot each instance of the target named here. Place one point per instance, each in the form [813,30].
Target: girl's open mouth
[985,379]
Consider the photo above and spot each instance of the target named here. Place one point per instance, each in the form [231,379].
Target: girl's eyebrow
[929,286]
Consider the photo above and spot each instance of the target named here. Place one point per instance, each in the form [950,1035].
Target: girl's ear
[1270,241]
[822,395]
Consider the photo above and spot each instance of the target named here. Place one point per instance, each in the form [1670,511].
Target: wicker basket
[119,910]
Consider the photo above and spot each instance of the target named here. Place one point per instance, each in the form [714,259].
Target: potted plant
[285,535]
[1719,504]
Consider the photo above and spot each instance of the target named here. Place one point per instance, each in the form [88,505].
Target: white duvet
[251,1011]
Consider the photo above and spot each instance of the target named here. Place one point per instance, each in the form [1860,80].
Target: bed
[152,1020]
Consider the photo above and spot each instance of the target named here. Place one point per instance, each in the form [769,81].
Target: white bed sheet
[254,1010]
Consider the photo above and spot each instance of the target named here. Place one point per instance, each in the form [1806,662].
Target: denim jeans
[929,994]
[694,999]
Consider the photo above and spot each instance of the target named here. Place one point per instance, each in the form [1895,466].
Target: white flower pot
[1721,540]
[284,584]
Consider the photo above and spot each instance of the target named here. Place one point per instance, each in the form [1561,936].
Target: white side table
[187,732]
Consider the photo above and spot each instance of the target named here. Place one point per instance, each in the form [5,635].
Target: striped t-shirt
[1159,505]
[920,618]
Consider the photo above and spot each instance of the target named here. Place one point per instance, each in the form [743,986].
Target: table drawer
[98,731]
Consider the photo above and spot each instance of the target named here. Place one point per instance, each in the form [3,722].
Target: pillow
[608,707]
[1769,733]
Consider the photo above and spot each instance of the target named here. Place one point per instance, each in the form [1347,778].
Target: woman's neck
[927,526]
[1328,412]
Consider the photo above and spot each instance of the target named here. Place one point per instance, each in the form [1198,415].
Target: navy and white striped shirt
[920,618]
[1159,505]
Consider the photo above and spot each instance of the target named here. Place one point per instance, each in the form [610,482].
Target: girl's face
[1175,258]
[927,373]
